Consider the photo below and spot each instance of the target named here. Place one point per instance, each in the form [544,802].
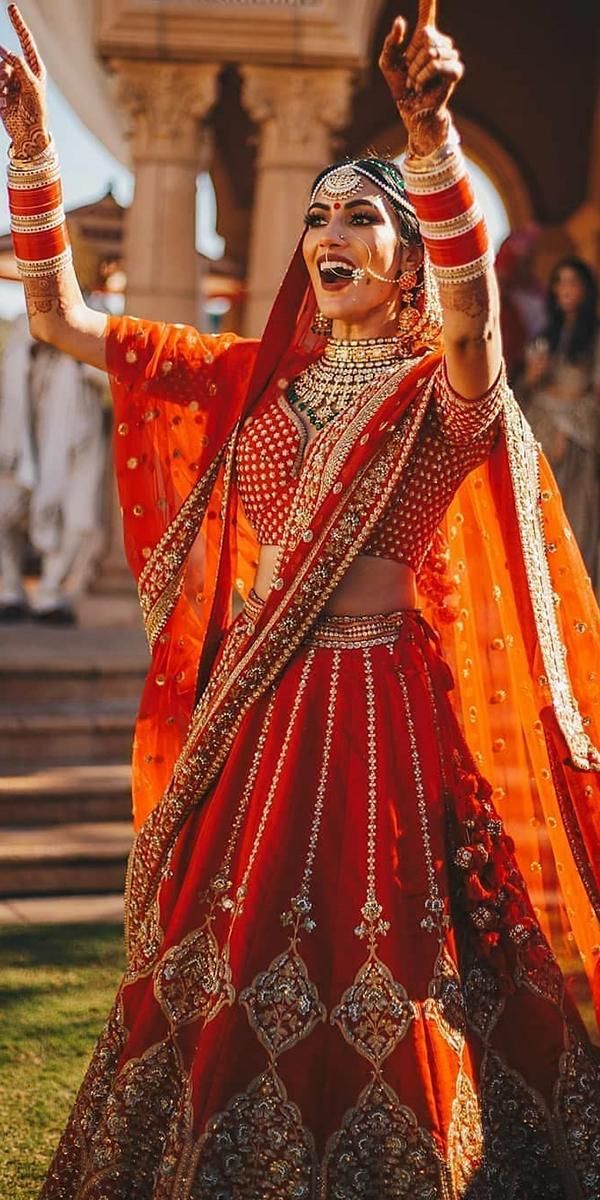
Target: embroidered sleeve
[174,362]
[462,420]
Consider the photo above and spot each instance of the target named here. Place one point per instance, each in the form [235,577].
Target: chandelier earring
[321,325]
[410,317]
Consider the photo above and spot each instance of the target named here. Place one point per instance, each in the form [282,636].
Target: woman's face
[569,291]
[343,236]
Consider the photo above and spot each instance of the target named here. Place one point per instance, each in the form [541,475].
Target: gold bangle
[37,160]
[45,268]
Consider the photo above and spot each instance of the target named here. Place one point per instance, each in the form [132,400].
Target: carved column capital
[164,105]
[299,108]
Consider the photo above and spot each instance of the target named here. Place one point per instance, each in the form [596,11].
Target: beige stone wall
[145,78]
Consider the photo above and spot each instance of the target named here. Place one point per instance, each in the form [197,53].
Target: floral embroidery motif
[374,1013]
[380,1153]
[128,1145]
[258,1148]
[520,1158]
[465,1136]
[68,1163]
[578,1109]
[538,969]
[193,980]
[143,952]
[484,1000]
[283,1005]
[445,1003]
[175,1158]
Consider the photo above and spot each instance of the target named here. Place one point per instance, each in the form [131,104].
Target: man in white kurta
[52,454]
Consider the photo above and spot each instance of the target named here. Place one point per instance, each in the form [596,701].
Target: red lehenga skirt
[353,999]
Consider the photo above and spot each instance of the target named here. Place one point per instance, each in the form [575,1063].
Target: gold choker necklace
[347,367]
[362,350]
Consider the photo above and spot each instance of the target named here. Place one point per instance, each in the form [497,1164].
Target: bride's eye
[311,220]
[363,218]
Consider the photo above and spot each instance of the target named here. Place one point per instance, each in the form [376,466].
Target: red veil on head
[505,586]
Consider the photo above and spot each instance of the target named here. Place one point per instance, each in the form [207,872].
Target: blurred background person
[52,458]
[523,313]
[559,390]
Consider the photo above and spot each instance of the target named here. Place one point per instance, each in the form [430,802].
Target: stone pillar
[165,104]
[298,111]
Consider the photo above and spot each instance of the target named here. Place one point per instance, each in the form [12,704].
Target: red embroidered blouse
[456,437]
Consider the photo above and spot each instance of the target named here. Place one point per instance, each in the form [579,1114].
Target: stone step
[71,684]
[63,910]
[70,666]
[58,794]
[65,859]
[91,733]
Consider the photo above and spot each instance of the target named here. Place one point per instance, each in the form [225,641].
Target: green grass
[57,984]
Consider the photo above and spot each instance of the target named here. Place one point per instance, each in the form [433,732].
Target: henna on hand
[421,77]
[472,299]
[23,108]
[59,294]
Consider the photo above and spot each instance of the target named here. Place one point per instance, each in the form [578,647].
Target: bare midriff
[371,585]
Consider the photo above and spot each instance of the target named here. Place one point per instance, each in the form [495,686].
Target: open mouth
[336,272]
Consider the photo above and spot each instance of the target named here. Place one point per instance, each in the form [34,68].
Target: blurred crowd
[54,424]
[552,349]
[53,453]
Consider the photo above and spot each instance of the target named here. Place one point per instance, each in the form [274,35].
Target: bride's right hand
[23,93]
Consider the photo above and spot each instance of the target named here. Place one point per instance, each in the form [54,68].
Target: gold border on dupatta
[161,580]
[524,465]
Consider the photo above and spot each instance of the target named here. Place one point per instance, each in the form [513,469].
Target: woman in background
[560,394]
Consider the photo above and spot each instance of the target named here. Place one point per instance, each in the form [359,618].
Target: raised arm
[422,76]
[56,309]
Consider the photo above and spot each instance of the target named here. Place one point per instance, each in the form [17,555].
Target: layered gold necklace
[332,383]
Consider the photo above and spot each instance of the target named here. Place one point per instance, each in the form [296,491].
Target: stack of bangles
[37,217]
[450,219]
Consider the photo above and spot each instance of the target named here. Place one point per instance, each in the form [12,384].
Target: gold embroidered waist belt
[351,632]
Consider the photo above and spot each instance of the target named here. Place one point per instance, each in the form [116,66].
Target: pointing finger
[25,37]
[427,13]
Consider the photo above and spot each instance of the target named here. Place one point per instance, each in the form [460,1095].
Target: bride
[338,984]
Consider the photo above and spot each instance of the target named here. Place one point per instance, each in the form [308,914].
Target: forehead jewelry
[344,181]
[340,183]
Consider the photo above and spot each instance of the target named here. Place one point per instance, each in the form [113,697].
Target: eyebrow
[349,204]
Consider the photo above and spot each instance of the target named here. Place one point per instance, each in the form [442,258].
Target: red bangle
[39,231]
[32,247]
[452,225]
[34,200]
